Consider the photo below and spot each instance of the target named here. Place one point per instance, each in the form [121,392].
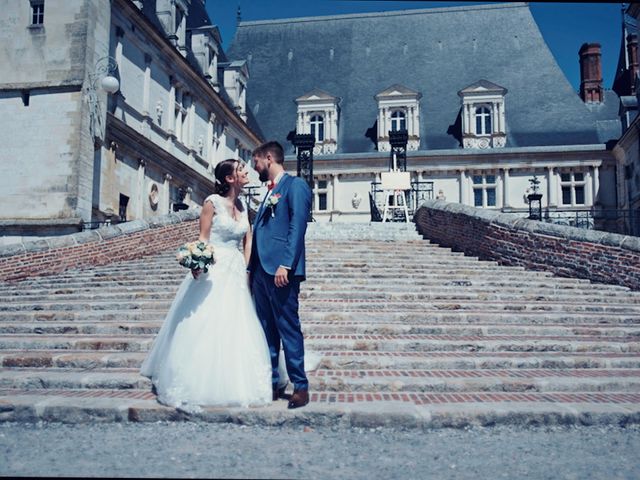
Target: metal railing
[420,191]
[622,221]
[98,224]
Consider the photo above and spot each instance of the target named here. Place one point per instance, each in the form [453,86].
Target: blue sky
[564,26]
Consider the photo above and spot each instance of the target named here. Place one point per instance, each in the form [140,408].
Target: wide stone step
[85,359]
[330,292]
[385,304]
[346,359]
[454,293]
[47,378]
[516,307]
[119,327]
[379,281]
[135,285]
[140,343]
[524,380]
[351,342]
[494,343]
[425,316]
[360,360]
[416,410]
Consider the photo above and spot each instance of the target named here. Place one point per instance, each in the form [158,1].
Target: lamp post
[535,199]
[103,77]
[398,140]
[305,143]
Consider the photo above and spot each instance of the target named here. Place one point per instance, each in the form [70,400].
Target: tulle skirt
[211,349]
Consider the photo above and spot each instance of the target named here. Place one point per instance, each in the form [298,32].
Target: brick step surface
[397,293]
[115,327]
[426,316]
[346,359]
[401,342]
[410,282]
[621,380]
[386,304]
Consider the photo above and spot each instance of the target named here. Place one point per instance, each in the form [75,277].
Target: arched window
[398,121]
[317,127]
[483,121]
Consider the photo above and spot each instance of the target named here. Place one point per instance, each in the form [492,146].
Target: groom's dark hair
[272,147]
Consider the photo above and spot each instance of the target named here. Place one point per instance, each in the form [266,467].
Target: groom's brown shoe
[299,399]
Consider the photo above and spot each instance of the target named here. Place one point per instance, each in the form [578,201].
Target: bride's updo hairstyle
[223,169]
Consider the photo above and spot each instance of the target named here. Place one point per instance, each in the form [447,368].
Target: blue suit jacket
[278,232]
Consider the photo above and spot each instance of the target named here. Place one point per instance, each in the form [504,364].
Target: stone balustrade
[513,240]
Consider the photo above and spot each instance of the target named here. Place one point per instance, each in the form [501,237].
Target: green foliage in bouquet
[196,255]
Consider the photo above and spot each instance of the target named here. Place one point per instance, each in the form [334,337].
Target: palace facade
[481,98]
[113,110]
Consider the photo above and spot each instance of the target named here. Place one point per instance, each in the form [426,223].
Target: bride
[211,349]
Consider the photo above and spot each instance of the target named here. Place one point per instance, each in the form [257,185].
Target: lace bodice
[225,230]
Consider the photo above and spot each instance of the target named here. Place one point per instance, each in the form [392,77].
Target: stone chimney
[632,54]
[591,89]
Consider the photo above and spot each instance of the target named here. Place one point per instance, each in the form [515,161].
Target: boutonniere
[273,201]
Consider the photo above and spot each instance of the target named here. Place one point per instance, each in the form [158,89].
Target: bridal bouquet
[196,255]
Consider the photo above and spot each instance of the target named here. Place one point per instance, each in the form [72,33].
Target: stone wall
[105,245]
[511,240]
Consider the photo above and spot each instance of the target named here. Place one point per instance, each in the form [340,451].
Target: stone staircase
[410,334]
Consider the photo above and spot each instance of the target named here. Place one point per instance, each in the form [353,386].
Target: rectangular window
[477,197]
[491,197]
[573,186]
[37,12]
[322,198]
[484,190]
[322,201]
[122,210]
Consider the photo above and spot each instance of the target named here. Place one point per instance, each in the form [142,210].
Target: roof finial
[238,15]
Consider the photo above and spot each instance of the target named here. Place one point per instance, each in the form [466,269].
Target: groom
[277,266]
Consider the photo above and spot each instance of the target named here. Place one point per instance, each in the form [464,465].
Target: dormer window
[318,114]
[398,121]
[483,121]
[398,109]
[483,115]
[235,76]
[317,127]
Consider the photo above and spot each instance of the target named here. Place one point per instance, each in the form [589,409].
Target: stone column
[187,197]
[171,125]
[165,202]
[191,115]
[210,148]
[139,206]
[588,188]
[596,182]
[334,193]
[463,187]
[147,85]
[505,188]
[500,190]
[552,188]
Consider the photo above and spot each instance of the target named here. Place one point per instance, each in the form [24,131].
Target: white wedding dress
[211,349]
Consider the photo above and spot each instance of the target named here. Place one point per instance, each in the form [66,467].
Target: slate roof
[437,52]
